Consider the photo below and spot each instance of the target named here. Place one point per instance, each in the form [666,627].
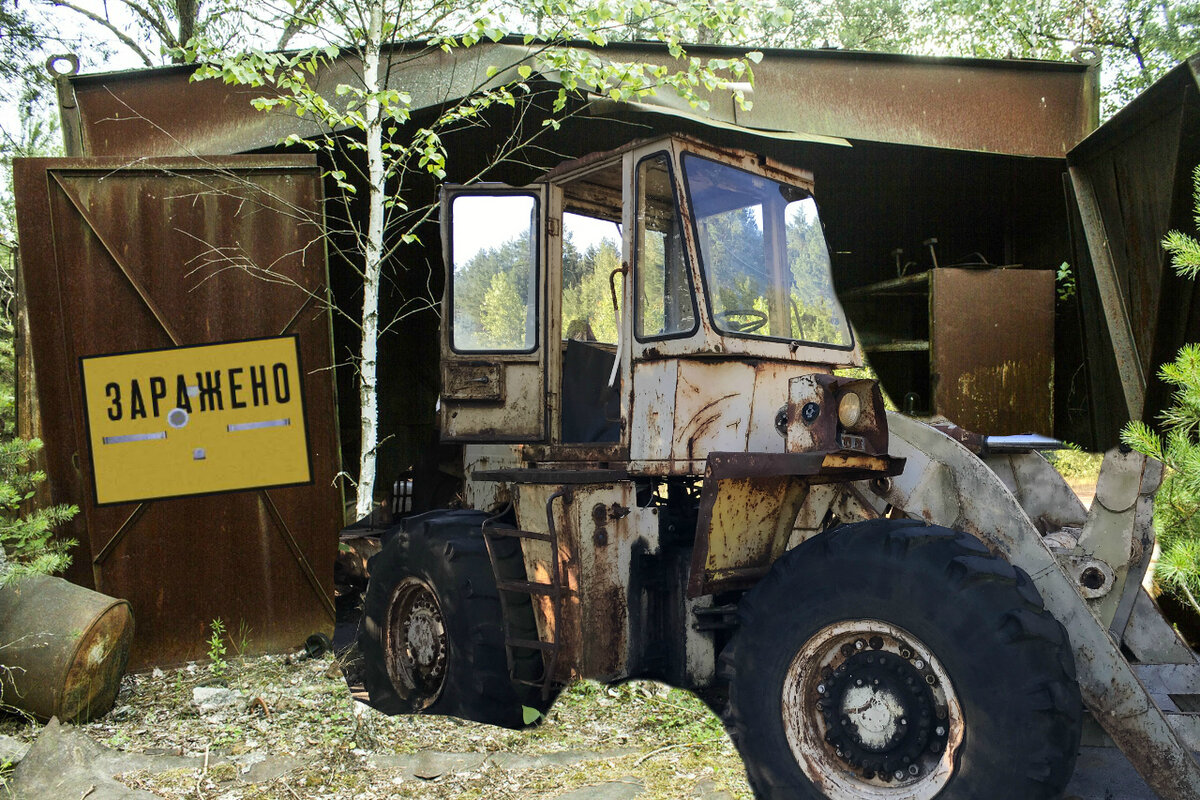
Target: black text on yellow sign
[196,420]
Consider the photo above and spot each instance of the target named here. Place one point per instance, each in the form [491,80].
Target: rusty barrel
[63,648]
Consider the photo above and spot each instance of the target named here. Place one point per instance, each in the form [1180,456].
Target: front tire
[892,659]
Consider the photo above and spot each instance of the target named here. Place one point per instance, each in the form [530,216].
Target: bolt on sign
[196,420]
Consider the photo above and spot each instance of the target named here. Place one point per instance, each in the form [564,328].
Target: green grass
[1075,464]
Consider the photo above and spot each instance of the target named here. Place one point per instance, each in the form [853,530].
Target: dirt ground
[289,729]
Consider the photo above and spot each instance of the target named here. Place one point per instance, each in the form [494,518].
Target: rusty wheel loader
[664,477]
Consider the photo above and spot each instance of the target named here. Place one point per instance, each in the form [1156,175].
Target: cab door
[493,314]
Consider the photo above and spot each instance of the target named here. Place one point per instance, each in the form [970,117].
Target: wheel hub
[880,713]
[424,634]
[877,713]
[415,645]
[870,713]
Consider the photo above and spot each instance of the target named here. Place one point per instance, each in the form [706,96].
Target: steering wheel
[757,319]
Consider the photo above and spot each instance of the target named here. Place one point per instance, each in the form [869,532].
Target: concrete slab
[1103,773]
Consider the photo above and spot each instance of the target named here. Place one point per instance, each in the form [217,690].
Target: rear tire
[892,659]
[432,630]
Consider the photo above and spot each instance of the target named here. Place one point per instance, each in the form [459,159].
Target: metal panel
[1099,402]
[121,257]
[749,506]
[1132,182]
[1035,108]
[992,349]
[690,407]
[654,408]
[1026,107]
[712,408]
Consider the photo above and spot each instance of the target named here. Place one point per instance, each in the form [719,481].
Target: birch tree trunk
[368,394]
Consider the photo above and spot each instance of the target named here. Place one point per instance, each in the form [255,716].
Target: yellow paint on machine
[752,520]
[196,420]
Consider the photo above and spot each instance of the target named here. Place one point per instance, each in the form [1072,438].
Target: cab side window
[494,282]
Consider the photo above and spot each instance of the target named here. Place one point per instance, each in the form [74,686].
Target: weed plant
[1076,464]
[216,648]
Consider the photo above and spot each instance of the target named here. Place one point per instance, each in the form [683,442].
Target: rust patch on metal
[599,455]
[605,624]
[94,676]
[847,460]
[993,374]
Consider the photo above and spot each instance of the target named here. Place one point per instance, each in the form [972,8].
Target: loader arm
[947,484]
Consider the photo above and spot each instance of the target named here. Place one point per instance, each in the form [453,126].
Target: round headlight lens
[849,410]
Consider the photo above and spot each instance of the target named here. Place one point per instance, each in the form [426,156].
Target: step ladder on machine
[511,588]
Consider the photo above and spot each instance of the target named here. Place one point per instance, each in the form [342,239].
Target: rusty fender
[750,503]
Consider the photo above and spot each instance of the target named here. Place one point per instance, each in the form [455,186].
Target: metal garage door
[120,256]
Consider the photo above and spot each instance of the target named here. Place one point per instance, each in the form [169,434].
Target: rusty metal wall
[1131,182]
[121,256]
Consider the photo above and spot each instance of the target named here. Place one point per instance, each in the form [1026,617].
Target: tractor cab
[646,306]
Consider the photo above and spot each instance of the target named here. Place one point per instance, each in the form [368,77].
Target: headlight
[850,410]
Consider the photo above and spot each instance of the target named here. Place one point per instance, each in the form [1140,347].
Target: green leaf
[530,715]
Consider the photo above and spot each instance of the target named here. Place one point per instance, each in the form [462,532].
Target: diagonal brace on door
[112,252]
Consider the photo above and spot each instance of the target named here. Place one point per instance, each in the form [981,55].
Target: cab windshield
[766,265]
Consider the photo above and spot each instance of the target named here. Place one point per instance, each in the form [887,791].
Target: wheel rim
[415,646]
[870,712]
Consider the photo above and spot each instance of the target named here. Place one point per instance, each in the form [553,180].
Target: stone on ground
[215,698]
[12,750]
[64,763]
[625,788]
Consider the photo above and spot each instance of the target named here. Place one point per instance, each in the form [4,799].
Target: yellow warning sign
[196,420]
